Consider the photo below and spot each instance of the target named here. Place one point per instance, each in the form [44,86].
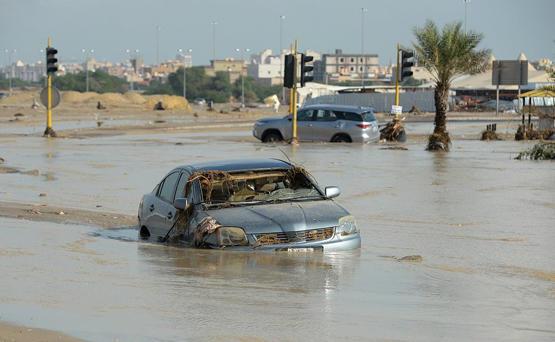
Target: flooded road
[482,222]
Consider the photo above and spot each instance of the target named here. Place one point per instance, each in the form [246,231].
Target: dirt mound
[76,97]
[170,102]
[135,98]
[21,98]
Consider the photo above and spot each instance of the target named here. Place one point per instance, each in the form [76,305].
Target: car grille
[294,237]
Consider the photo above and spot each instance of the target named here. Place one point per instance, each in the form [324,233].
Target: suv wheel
[272,137]
[341,138]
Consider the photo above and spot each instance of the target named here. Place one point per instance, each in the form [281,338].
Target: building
[342,67]
[235,68]
[265,68]
[26,72]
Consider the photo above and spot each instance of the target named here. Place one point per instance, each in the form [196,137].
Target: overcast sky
[112,26]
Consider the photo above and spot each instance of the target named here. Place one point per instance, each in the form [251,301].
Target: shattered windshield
[255,186]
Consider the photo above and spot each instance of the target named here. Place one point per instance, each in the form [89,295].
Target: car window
[180,192]
[325,115]
[168,187]
[304,115]
[368,116]
[349,116]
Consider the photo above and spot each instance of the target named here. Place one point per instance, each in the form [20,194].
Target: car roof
[351,108]
[239,165]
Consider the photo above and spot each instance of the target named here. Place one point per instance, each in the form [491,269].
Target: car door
[305,128]
[325,125]
[163,211]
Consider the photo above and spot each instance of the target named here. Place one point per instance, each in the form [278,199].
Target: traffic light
[407,62]
[289,71]
[306,69]
[51,61]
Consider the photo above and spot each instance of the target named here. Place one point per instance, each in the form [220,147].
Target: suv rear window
[368,116]
[349,116]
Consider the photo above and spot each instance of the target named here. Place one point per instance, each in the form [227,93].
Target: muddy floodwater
[482,222]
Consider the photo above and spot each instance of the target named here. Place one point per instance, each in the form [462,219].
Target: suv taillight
[363,125]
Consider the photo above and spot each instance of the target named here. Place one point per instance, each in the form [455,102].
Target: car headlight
[347,226]
[233,236]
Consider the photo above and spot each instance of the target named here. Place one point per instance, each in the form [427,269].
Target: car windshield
[368,116]
[244,188]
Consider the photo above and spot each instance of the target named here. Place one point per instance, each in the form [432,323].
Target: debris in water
[541,151]
[61,213]
[490,133]
[394,131]
[411,258]
[42,194]
[34,172]
[395,148]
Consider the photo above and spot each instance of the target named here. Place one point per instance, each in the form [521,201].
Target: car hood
[290,216]
[271,119]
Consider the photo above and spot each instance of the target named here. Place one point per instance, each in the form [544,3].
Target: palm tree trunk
[440,140]
[440,98]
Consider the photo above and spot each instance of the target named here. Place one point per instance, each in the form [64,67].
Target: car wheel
[341,138]
[271,137]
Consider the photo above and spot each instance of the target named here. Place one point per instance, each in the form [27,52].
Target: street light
[87,53]
[133,68]
[214,23]
[466,2]
[10,56]
[242,76]
[157,44]
[362,11]
[184,73]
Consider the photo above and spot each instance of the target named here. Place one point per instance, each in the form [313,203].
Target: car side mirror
[332,191]
[181,203]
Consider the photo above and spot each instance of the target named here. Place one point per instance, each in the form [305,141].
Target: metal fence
[381,102]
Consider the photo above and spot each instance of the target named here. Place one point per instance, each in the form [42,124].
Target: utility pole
[214,23]
[87,56]
[157,44]
[181,51]
[242,76]
[466,2]
[363,72]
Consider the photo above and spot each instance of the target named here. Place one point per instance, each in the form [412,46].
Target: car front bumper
[336,243]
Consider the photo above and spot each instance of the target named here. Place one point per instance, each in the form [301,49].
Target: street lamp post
[184,72]
[87,56]
[242,76]
[466,2]
[10,56]
[214,23]
[362,11]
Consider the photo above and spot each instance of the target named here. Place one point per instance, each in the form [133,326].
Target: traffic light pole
[49,132]
[294,139]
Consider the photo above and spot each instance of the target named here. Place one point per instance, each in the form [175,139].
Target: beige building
[341,67]
[235,68]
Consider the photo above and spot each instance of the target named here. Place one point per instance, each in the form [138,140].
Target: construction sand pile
[169,102]
[109,100]
[24,98]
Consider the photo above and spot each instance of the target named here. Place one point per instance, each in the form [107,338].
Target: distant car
[333,123]
[199,102]
[265,204]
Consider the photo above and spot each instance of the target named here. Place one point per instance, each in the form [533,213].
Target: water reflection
[276,272]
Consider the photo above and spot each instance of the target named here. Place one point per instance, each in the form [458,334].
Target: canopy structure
[539,93]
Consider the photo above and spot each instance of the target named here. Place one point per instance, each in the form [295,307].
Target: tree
[99,81]
[446,55]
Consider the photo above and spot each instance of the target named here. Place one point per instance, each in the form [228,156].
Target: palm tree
[446,55]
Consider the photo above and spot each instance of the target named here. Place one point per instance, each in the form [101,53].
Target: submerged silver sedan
[328,123]
[266,204]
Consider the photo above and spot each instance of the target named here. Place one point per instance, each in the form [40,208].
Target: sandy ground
[15,333]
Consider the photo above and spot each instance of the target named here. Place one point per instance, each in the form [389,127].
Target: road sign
[397,110]
[56,97]
[509,72]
